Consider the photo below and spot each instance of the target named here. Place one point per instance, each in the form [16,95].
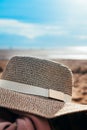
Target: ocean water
[79,52]
[61,53]
[69,56]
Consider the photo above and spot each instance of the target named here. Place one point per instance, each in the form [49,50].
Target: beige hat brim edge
[70,108]
[7,100]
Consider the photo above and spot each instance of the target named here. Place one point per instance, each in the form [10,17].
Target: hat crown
[39,72]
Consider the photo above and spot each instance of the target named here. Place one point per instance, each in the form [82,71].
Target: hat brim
[45,107]
[70,108]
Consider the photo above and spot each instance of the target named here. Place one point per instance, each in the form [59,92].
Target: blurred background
[50,29]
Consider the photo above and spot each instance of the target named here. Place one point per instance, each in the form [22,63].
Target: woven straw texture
[37,72]
[41,73]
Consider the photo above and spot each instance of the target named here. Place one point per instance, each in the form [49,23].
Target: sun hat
[37,86]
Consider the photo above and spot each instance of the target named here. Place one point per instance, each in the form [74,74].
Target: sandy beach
[79,70]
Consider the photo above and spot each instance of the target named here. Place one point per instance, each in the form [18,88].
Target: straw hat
[38,86]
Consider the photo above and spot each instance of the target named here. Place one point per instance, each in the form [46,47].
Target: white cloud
[81,37]
[29,30]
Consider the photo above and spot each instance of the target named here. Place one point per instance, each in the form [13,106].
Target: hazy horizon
[61,53]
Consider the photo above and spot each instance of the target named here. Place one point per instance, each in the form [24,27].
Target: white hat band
[34,90]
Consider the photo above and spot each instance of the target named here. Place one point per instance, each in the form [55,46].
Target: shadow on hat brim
[44,107]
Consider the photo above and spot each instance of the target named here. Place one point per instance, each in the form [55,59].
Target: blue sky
[43,23]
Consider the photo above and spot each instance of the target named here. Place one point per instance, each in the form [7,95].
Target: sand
[79,70]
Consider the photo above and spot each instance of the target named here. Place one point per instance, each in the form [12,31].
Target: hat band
[34,90]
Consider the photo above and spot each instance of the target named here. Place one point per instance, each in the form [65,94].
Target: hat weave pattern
[43,74]
[39,72]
